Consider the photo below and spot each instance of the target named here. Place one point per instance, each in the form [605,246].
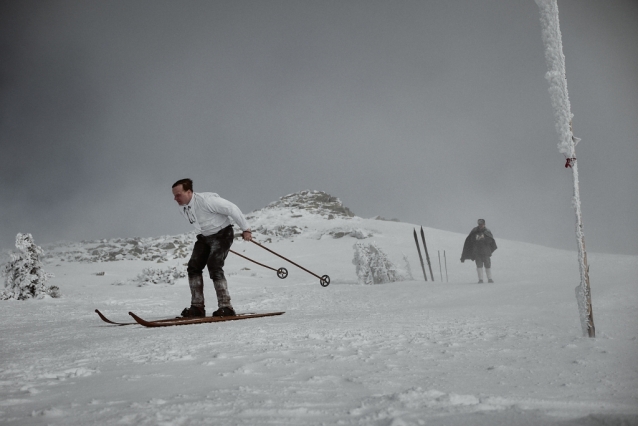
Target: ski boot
[193,312]
[224,312]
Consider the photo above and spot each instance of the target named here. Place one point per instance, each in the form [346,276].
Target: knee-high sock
[223,297]
[480,273]
[196,284]
[488,272]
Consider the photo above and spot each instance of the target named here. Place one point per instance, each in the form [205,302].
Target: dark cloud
[436,113]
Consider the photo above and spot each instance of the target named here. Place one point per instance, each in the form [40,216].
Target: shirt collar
[191,203]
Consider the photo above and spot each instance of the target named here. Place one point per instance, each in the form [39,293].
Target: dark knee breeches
[483,260]
[211,251]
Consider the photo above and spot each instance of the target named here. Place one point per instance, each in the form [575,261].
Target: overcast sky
[433,112]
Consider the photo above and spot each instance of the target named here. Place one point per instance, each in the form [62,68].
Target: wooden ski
[427,256]
[201,320]
[105,319]
[416,240]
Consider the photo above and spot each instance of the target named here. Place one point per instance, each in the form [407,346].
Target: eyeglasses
[190,215]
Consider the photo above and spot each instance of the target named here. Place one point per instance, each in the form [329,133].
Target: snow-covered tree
[407,270]
[373,265]
[24,276]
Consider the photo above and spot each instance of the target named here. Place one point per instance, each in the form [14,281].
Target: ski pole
[416,240]
[324,280]
[440,271]
[281,272]
[445,260]
[427,256]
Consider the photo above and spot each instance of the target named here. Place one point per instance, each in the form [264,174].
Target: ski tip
[105,319]
[137,319]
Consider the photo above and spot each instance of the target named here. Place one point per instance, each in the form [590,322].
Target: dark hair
[187,184]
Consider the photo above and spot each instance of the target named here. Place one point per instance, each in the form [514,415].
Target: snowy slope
[411,352]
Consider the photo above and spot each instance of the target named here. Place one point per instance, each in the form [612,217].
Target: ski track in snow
[407,353]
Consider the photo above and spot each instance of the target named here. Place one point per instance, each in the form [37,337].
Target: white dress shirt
[209,213]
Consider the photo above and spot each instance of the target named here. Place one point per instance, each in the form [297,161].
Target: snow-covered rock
[314,202]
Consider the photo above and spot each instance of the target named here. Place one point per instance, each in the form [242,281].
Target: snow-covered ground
[403,353]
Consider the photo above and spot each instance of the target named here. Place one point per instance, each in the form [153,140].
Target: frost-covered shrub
[24,277]
[407,270]
[158,276]
[373,265]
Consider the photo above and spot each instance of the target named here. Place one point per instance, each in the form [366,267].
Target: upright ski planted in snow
[427,256]
[416,240]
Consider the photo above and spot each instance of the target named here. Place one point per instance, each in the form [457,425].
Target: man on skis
[211,216]
[479,246]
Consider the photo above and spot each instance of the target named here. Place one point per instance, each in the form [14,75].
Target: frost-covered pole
[557,79]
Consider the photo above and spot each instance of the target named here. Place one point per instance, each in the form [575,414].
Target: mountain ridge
[280,219]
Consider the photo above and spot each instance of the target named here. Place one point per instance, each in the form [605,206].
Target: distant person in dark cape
[479,246]
[211,216]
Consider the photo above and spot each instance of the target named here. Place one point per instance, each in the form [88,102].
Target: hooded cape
[469,248]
